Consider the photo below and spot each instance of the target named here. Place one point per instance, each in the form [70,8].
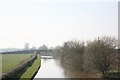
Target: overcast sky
[52,22]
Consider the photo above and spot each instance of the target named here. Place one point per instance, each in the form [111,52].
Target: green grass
[10,61]
[32,69]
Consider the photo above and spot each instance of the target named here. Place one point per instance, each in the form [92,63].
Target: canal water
[50,68]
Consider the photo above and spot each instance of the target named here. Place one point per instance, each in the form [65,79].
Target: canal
[50,68]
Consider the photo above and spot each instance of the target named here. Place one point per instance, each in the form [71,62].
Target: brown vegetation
[87,60]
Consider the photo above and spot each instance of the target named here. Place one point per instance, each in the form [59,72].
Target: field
[10,61]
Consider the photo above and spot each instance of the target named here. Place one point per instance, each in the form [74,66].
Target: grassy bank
[10,61]
[32,69]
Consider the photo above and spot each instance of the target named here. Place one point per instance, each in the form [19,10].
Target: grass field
[9,61]
[32,69]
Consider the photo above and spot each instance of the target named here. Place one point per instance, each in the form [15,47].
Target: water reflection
[50,69]
[70,72]
[44,60]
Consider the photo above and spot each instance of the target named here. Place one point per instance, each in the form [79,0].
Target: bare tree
[72,55]
[101,51]
[43,47]
[56,52]
[33,47]
[26,46]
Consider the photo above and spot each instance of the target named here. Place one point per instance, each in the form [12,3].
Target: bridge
[44,52]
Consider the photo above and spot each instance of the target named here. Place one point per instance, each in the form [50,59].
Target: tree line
[93,56]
